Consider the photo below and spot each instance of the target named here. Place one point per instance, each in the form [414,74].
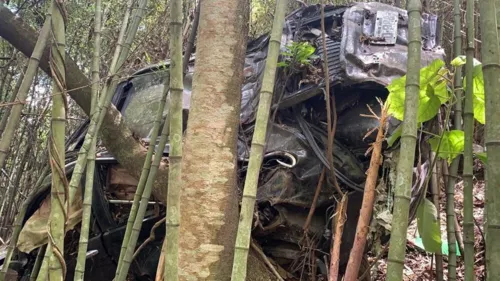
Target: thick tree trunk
[209,197]
[115,135]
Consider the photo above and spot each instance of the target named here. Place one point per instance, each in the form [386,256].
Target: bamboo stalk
[38,263]
[102,105]
[22,93]
[144,175]
[365,216]
[134,233]
[450,193]
[435,199]
[491,71]
[89,177]
[408,142]
[175,153]
[191,39]
[243,236]
[59,195]
[468,221]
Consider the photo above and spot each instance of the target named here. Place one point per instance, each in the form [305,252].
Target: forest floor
[419,265]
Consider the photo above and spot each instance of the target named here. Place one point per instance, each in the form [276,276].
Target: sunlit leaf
[452,144]
[478,92]
[282,64]
[478,101]
[428,105]
[458,61]
[433,92]
[428,226]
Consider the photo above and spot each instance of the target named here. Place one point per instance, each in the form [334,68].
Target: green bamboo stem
[192,38]
[258,142]
[468,222]
[43,273]
[407,152]
[134,234]
[39,47]
[38,263]
[13,98]
[58,195]
[450,190]
[175,154]
[81,161]
[131,31]
[491,72]
[144,175]
[435,199]
[89,177]
[22,93]
[143,178]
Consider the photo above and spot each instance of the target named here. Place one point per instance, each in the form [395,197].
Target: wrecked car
[366,47]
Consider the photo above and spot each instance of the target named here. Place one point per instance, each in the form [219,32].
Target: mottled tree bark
[209,201]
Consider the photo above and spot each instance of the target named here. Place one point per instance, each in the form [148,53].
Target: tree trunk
[408,142]
[209,199]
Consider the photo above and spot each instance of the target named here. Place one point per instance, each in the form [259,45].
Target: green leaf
[482,156]
[429,105]
[394,136]
[428,226]
[397,134]
[478,101]
[282,64]
[478,92]
[458,61]
[433,92]
[452,144]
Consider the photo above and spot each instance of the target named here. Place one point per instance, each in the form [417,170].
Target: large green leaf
[433,92]
[428,226]
[478,92]
[394,136]
[452,144]
[478,102]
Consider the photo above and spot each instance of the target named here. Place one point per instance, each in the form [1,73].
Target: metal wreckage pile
[366,49]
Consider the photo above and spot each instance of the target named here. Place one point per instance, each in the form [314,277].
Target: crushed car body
[366,46]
